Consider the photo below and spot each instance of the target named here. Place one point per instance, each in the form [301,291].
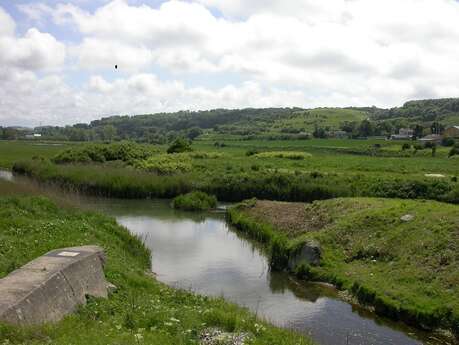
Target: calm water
[202,253]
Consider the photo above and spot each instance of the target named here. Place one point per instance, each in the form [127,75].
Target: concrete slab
[52,286]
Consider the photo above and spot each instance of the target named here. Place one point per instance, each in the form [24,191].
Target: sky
[57,58]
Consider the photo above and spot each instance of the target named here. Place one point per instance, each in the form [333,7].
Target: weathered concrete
[52,286]
[309,253]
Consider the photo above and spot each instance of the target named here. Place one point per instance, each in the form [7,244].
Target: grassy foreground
[141,311]
[406,270]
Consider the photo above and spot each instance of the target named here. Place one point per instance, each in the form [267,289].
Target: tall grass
[128,182]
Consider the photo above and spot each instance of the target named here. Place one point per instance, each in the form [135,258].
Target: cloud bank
[227,53]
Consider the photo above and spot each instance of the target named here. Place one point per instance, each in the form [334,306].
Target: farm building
[452,132]
[403,134]
[431,138]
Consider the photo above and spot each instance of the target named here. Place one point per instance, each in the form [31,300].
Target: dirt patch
[290,217]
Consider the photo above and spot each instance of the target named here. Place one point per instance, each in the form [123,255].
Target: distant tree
[418,131]
[448,141]
[10,133]
[194,132]
[437,128]
[366,128]
[319,132]
[454,150]
[434,150]
[179,145]
[109,132]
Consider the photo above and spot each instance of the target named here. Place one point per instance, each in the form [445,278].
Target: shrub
[251,152]
[179,145]
[166,164]
[429,145]
[406,146]
[448,141]
[195,201]
[454,150]
[284,154]
[123,151]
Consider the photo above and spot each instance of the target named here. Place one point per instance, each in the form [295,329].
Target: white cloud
[7,24]
[34,51]
[283,53]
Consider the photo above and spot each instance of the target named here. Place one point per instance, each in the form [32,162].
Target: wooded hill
[268,123]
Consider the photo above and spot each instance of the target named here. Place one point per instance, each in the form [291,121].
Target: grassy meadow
[302,170]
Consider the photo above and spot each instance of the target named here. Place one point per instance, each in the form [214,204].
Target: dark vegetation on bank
[195,201]
[405,270]
[140,311]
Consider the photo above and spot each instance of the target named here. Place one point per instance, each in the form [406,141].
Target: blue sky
[57,57]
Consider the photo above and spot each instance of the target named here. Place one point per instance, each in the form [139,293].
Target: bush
[166,164]
[284,154]
[195,201]
[251,152]
[406,146]
[179,145]
[454,150]
[448,141]
[123,151]
[429,145]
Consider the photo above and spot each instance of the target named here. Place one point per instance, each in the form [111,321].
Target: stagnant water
[203,253]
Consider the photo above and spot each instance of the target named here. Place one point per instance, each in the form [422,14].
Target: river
[202,253]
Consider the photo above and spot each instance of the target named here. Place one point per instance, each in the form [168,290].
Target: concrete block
[52,286]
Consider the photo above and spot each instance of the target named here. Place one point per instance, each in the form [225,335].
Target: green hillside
[251,123]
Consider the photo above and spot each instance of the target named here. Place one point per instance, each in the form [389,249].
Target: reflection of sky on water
[209,259]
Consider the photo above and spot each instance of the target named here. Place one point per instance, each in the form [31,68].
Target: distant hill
[444,110]
[271,123]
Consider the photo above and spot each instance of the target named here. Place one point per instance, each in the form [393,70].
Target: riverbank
[141,311]
[397,256]
[116,179]
[280,171]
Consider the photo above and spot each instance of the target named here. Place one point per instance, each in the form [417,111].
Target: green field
[11,151]
[236,170]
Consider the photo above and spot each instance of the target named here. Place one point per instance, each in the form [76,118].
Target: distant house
[452,132]
[33,136]
[403,134]
[340,134]
[431,138]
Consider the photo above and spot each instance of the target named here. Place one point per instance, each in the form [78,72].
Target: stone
[309,253]
[407,218]
[218,337]
[111,288]
[52,286]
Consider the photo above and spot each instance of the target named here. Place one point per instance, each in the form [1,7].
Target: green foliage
[141,311]
[180,145]
[195,201]
[448,141]
[454,151]
[123,151]
[406,146]
[284,154]
[165,164]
